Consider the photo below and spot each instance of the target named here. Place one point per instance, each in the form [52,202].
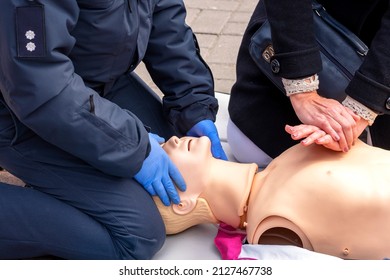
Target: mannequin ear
[185,206]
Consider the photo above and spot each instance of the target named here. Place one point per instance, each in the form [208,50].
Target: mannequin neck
[229,189]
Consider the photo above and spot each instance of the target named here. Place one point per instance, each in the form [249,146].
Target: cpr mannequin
[328,202]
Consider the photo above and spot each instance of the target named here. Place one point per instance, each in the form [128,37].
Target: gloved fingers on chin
[214,137]
[218,152]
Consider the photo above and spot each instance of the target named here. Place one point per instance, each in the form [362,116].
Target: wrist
[302,95]
[294,87]
[361,110]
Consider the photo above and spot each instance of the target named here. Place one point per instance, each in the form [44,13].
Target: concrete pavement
[219,26]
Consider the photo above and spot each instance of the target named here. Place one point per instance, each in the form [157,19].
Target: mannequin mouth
[189,144]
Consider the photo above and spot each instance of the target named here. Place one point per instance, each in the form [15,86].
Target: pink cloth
[229,242]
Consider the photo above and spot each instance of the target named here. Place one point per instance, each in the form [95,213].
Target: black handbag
[342,53]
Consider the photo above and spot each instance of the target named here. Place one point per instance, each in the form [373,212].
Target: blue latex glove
[158,173]
[208,128]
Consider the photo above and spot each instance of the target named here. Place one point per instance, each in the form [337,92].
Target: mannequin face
[192,157]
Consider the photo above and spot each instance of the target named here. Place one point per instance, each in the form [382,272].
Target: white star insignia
[30,46]
[30,34]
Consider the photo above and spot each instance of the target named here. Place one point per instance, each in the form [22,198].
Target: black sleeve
[293,38]
[371,83]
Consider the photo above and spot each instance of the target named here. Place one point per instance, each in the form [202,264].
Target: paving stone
[241,17]
[210,22]
[223,71]
[234,28]
[247,6]
[206,41]
[224,86]
[225,50]
[221,5]
[192,14]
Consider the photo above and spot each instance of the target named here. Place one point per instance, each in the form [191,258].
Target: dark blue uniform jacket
[59,58]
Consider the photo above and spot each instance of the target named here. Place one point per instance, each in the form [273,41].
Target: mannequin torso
[337,203]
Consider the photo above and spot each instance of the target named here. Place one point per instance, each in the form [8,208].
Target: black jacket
[297,52]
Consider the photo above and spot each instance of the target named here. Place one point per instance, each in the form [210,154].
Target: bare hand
[330,116]
[313,134]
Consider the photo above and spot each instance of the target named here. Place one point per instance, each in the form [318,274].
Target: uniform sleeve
[39,84]
[174,63]
[371,83]
[293,39]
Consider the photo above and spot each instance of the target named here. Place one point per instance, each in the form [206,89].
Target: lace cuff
[300,86]
[360,109]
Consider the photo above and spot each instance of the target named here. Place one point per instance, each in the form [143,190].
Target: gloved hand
[158,173]
[208,128]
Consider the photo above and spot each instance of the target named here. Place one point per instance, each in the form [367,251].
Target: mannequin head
[217,190]
[191,156]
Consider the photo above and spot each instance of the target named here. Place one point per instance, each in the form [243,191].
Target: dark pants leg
[34,224]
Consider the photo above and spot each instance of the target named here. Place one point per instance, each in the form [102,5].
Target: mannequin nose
[175,140]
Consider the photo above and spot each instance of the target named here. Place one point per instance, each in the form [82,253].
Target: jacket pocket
[95,4]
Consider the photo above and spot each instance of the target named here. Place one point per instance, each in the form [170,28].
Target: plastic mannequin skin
[312,197]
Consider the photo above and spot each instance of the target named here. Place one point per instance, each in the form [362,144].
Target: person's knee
[144,242]
[148,246]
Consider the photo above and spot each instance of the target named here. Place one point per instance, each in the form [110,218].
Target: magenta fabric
[229,242]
